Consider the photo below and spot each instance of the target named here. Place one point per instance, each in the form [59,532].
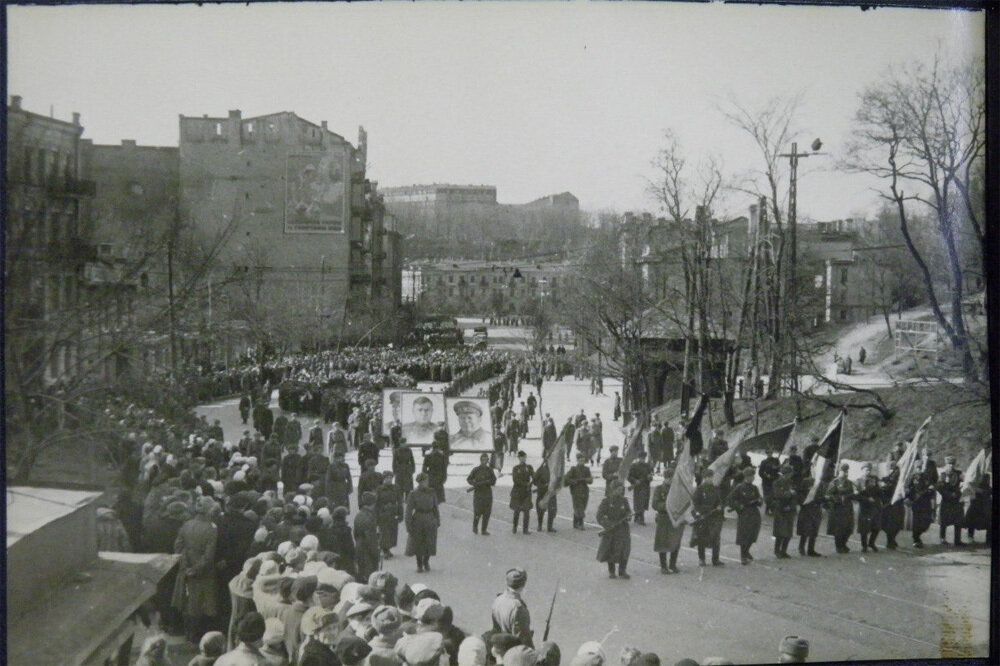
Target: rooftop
[30,509]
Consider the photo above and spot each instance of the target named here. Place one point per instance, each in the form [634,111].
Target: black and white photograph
[687,309]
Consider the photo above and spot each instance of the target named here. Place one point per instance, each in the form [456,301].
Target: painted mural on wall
[316,196]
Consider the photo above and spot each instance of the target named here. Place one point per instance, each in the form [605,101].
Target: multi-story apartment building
[484,288]
[51,267]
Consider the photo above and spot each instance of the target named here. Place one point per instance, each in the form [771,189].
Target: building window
[843,315]
[218,129]
[843,276]
[818,282]
[249,128]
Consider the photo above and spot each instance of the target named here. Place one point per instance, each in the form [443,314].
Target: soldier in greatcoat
[422,520]
[707,527]
[667,540]
[366,542]
[768,471]
[403,467]
[893,515]
[745,499]
[520,494]
[640,476]
[840,517]
[810,514]
[482,479]
[613,515]
[436,468]
[578,480]
[869,508]
[389,512]
[609,470]
[541,481]
[920,495]
[949,485]
[784,499]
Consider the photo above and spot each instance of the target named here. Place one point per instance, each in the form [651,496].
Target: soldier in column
[520,494]
[482,479]
[667,540]
[840,518]
[389,511]
[745,499]
[784,497]
[869,508]
[810,514]
[920,493]
[403,467]
[949,485]
[578,480]
[707,505]
[609,470]
[768,471]
[614,515]
[640,476]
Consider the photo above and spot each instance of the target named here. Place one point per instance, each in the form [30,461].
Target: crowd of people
[275,569]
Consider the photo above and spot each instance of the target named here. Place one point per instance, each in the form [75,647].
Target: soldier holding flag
[810,514]
[544,500]
[667,540]
[840,520]
[785,501]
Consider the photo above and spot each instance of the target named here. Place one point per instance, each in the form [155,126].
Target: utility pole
[171,316]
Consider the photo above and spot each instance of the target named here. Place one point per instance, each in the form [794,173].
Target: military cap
[467,407]
[522,454]
[795,647]
[614,447]
[516,577]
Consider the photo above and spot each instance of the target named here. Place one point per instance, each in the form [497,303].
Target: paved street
[884,605]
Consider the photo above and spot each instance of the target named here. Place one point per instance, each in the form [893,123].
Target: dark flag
[693,430]
[826,456]
[773,440]
[557,468]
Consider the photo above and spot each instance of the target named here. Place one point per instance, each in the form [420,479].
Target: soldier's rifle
[548,620]
[616,524]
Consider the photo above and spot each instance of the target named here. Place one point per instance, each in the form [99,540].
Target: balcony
[71,187]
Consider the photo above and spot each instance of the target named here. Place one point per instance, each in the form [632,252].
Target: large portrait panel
[421,414]
[470,425]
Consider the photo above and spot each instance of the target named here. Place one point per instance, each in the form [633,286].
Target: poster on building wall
[470,424]
[317,197]
[420,414]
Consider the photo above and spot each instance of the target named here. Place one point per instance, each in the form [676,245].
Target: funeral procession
[703,374]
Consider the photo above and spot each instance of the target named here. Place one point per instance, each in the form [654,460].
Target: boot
[802,546]
[622,573]
[871,541]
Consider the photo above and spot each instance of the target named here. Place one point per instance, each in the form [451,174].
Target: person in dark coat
[316,466]
[784,499]
[795,461]
[339,484]
[669,443]
[978,515]
[541,480]
[366,545]
[129,512]
[869,508]
[840,517]
[708,518]
[436,469]
[481,481]
[396,434]
[278,430]
[549,436]
[422,521]
[668,538]
[569,432]
[893,515]
[920,495]
[745,500]
[810,515]
[768,471]
[389,512]
[618,406]
[195,591]
[263,419]
[292,435]
[613,515]
[293,472]
[367,451]
[339,539]
[578,480]
[315,436]
[370,480]
[609,470]
[520,494]
[949,485]
[640,476]
[236,531]
[244,408]
[403,467]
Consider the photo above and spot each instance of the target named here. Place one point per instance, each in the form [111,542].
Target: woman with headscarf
[195,590]
[422,521]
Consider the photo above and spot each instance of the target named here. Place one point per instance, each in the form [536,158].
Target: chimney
[128,143]
[323,123]
[236,127]
[15,102]
[76,118]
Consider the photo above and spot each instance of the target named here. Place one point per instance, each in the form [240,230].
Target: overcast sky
[532,98]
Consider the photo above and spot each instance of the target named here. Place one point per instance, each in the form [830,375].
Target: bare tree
[920,129]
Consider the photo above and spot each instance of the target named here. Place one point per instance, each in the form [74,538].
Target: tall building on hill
[444,220]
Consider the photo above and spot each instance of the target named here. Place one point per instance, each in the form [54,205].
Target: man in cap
[520,494]
[549,435]
[869,508]
[470,435]
[784,501]
[510,613]
[613,515]
[950,513]
[482,479]
[339,484]
[611,466]
[543,502]
[436,469]
[840,519]
[640,477]
[793,650]
[421,429]
[745,499]
[249,633]
[578,479]
[244,408]
[920,493]
[707,526]
[769,470]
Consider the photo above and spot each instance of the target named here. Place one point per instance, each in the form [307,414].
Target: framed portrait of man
[420,414]
[470,426]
